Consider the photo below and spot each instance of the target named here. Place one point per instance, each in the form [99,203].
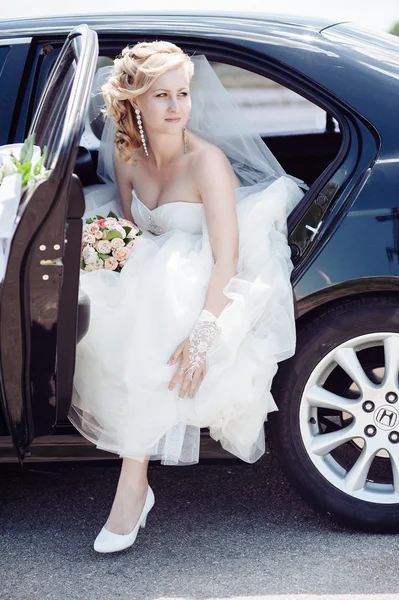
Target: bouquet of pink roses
[107,242]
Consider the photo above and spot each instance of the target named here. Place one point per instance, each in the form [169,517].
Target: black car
[324,96]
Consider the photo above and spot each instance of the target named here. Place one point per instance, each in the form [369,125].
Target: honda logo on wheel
[386,417]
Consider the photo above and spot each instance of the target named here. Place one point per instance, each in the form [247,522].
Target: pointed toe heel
[106,541]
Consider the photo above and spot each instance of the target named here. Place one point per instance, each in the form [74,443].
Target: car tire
[315,391]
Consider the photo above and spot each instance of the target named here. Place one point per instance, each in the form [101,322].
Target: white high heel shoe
[106,541]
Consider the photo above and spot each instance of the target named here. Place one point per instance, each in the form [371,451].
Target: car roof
[115,21]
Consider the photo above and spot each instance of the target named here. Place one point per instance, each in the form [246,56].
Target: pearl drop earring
[138,116]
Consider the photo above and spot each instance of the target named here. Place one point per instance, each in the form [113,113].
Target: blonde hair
[135,70]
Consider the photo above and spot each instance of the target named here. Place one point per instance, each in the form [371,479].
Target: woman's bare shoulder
[126,170]
[205,153]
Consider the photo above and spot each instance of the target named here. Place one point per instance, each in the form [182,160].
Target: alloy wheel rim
[369,415]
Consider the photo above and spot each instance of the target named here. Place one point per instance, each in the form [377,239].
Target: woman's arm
[125,186]
[214,179]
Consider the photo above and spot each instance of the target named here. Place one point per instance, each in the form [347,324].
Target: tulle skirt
[121,400]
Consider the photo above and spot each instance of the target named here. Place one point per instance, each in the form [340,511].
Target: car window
[271,108]
[52,111]
[13,55]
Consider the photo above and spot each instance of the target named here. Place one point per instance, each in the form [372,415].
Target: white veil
[214,116]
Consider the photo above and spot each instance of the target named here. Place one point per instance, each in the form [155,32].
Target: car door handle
[314,230]
[52,262]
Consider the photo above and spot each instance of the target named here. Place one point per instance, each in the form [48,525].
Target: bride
[189,333]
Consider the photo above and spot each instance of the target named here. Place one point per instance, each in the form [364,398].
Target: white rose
[92,260]
[104,246]
[110,223]
[90,256]
[117,243]
[98,264]
[88,251]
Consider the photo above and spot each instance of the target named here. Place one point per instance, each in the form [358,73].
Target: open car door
[39,292]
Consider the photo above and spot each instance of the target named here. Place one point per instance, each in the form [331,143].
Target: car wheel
[336,434]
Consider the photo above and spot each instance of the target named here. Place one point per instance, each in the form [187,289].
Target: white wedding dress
[121,400]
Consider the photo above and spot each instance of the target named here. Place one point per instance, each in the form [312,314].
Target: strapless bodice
[185,216]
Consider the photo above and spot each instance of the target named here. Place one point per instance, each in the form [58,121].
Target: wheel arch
[372,287]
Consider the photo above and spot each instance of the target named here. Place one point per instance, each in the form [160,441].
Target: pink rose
[110,263]
[99,235]
[121,254]
[89,238]
[117,243]
[93,228]
[100,222]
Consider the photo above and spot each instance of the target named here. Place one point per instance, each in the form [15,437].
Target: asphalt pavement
[221,531]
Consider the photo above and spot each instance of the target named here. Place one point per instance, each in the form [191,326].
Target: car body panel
[344,235]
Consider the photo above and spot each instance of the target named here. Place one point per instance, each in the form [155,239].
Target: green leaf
[114,234]
[103,256]
[27,149]
[82,264]
[25,168]
[40,162]
[99,217]
[113,215]
[127,229]
[118,269]
[26,179]
[25,171]
[89,221]
[14,160]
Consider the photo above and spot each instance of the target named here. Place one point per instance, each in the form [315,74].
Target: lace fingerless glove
[201,338]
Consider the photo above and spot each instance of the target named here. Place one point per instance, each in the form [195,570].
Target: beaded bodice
[186,216]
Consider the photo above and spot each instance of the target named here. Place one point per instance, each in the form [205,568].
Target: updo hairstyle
[135,70]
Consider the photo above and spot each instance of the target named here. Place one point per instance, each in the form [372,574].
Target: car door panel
[42,276]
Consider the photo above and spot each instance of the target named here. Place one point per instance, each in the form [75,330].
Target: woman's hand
[189,380]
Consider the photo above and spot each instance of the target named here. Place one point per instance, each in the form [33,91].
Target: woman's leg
[130,496]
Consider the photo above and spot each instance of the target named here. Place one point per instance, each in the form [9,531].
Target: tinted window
[271,108]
